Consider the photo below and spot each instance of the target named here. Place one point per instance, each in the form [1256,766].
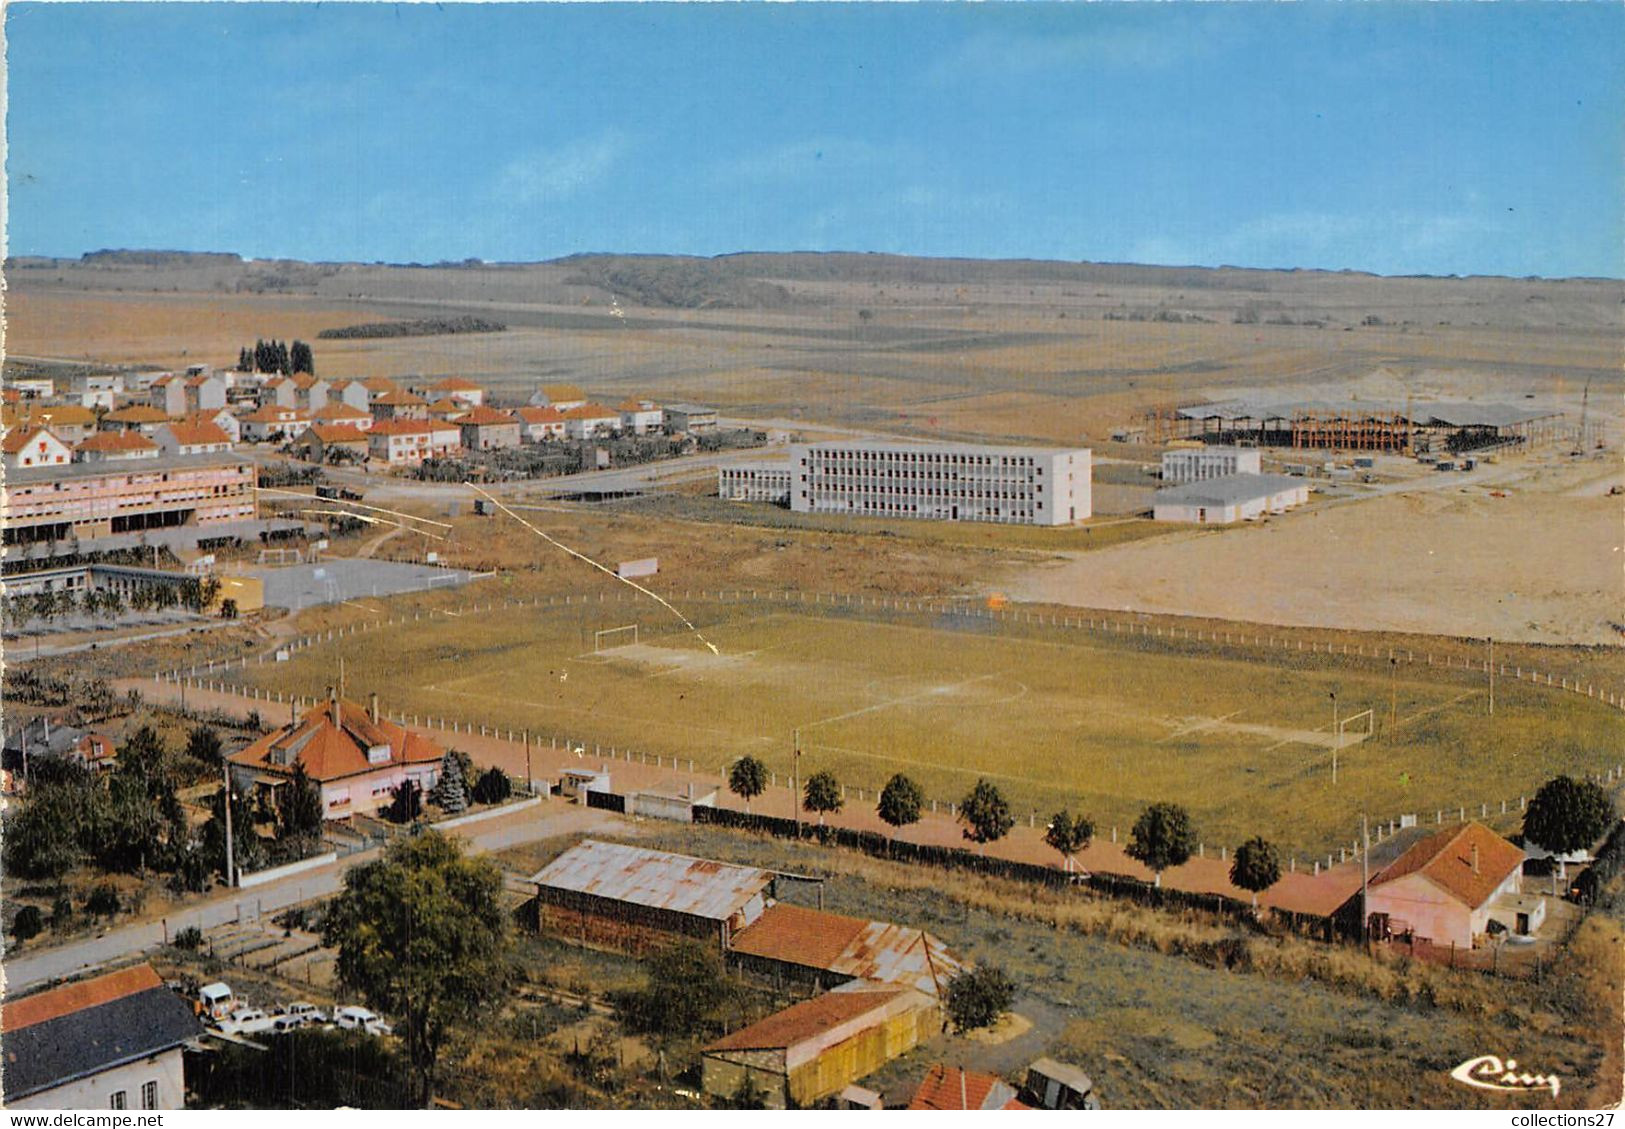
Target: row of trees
[194,594]
[277,356]
[1162,838]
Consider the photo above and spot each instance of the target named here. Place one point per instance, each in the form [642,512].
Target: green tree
[1069,835]
[62,916]
[103,901]
[422,935]
[1255,867]
[299,808]
[203,745]
[406,803]
[302,359]
[747,779]
[450,793]
[977,997]
[493,787]
[1568,815]
[985,814]
[1162,838]
[822,794]
[703,1003]
[246,846]
[28,924]
[900,803]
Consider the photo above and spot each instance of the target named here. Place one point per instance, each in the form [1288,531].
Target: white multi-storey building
[942,482]
[754,482]
[1198,464]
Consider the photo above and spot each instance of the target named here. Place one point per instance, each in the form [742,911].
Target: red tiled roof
[402,427]
[591,411]
[541,415]
[137,413]
[379,384]
[806,1020]
[69,998]
[331,752]
[117,441]
[398,398]
[1448,860]
[338,433]
[485,417]
[67,415]
[338,409]
[954,1087]
[458,384]
[631,405]
[798,935]
[190,434]
[271,413]
[19,438]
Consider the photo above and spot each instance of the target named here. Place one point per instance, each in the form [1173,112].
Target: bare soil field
[1540,563]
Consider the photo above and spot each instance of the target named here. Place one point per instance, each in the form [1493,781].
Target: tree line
[277,357]
[195,594]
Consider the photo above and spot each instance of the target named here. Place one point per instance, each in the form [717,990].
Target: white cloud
[1020,56]
[553,174]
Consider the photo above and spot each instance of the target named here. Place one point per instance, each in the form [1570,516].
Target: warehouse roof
[1229,490]
[658,879]
[806,1021]
[77,1030]
[1438,414]
[850,946]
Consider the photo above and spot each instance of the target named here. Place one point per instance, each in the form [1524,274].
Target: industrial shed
[831,948]
[1236,497]
[634,899]
[804,1054]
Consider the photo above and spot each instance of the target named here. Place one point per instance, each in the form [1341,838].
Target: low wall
[261,877]
[489,813]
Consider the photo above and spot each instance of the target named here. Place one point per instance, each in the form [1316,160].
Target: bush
[103,901]
[979,997]
[190,939]
[407,804]
[492,787]
[28,924]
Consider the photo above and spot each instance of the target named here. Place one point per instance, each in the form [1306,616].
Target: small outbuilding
[1235,497]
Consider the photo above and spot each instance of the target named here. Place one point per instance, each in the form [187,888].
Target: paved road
[39,966]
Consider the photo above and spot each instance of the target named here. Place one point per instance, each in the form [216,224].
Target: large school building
[942,482]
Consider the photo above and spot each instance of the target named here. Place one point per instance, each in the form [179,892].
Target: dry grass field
[1054,717]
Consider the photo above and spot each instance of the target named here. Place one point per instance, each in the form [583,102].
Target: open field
[1098,723]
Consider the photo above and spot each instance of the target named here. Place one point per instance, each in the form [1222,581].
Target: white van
[360,1019]
[215,1001]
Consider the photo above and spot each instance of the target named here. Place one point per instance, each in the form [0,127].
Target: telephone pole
[1335,741]
[231,860]
[1492,675]
[1365,881]
[795,781]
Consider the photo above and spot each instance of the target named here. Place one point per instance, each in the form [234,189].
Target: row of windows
[929,457]
[119,1099]
[832,490]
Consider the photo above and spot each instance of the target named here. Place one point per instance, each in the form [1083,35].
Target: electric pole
[795,781]
[1492,675]
[1334,738]
[231,862]
[1365,881]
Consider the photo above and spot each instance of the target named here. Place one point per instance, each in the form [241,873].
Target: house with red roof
[192,436]
[338,413]
[458,388]
[485,429]
[274,423]
[136,417]
[538,425]
[115,446]
[355,755]
[34,446]
[588,421]
[407,442]
[954,1087]
[329,443]
[398,404]
[1449,887]
[639,417]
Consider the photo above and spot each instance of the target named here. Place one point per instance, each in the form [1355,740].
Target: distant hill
[678,283]
[160,258]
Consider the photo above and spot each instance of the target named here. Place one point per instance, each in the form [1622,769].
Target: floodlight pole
[1393,692]
[795,781]
[1491,641]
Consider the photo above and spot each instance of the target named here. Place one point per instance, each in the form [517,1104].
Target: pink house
[353,754]
[1448,887]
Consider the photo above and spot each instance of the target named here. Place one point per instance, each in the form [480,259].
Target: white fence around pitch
[1271,639]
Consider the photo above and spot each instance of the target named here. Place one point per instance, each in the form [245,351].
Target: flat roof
[32,476]
[939,448]
[1228,490]
[658,879]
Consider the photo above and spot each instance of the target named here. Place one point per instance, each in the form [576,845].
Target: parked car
[215,1001]
[283,1024]
[306,1013]
[246,1021]
[360,1019]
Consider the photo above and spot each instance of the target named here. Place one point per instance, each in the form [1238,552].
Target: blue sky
[1399,138]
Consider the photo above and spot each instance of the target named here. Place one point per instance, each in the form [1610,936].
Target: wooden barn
[811,1051]
[825,949]
[636,900]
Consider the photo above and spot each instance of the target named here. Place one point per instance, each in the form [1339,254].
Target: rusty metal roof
[809,1020]
[877,951]
[659,879]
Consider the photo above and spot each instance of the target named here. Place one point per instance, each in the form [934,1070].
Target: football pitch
[1097,723]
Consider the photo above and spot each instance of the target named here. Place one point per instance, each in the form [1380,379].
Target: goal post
[1365,731]
[610,637]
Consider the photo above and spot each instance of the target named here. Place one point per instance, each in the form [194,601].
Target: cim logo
[1488,1072]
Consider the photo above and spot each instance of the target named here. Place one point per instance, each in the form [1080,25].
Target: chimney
[333,700]
[1475,858]
[373,707]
